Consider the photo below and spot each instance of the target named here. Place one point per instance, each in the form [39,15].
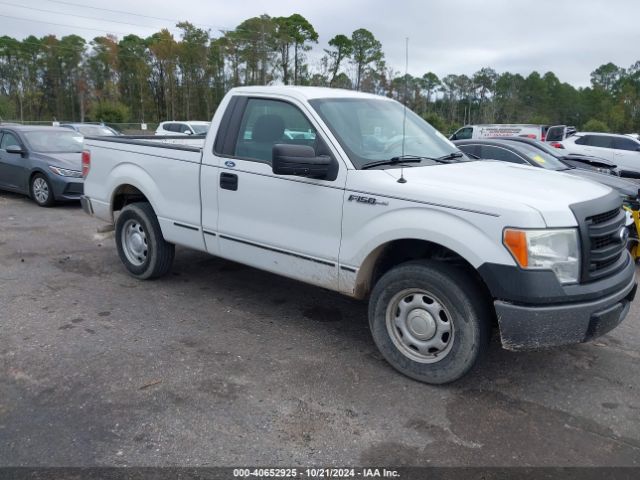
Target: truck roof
[303,93]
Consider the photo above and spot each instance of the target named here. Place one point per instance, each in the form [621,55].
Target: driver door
[13,171]
[286,224]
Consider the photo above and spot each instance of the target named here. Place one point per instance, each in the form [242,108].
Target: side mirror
[15,149]
[299,160]
[188,132]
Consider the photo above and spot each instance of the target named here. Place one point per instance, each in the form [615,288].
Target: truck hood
[494,187]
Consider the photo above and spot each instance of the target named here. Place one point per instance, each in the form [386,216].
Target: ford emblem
[230,164]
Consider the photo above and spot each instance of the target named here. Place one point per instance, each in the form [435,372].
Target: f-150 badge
[367,200]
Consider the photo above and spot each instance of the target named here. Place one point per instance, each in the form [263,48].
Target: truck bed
[167,173]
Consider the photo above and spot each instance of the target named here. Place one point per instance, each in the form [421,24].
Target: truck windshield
[370,130]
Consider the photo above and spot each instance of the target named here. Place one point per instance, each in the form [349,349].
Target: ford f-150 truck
[353,193]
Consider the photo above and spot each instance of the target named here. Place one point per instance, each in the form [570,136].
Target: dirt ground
[219,364]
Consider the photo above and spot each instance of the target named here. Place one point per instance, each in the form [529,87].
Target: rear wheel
[141,246]
[41,191]
[430,320]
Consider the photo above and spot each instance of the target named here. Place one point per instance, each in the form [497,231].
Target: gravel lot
[221,364]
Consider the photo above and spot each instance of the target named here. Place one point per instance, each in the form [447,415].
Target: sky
[569,37]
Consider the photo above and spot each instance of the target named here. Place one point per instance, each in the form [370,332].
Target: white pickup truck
[350,192]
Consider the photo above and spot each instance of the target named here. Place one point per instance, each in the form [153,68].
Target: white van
[537,132]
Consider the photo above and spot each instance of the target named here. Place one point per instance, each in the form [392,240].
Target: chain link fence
[124,128]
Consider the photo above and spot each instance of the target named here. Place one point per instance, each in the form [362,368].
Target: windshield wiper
[395,161]
[450,156]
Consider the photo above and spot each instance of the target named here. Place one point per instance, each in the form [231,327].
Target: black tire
[464,304]
[42,202]
[157,257]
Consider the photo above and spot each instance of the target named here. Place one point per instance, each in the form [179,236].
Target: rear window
[540,158]
[625,144]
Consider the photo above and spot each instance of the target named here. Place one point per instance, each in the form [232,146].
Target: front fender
[476,238]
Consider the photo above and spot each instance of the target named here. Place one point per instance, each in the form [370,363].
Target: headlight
[63,172]
[555,250]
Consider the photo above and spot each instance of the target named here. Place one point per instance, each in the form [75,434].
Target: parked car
[622,150]
[537,132]
[91,129]
[585,162]
[524,153]
[183,128]
[442,246]
[42,162]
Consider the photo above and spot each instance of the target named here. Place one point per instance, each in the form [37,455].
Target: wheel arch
[35,171]
[131,184]
[397,251]
[124,194]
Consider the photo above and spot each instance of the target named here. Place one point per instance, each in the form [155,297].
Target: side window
[601,141]
[497,153]
[583,140]
[463,134]
[172,127]
[269,122]
[183,128]
[625,144]
[8,139]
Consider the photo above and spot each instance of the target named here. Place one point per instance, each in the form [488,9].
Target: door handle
[229,181]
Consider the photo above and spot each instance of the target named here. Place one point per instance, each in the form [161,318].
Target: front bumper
[525,327]
[66,188]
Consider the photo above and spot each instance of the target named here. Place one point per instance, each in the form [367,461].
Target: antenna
[404,114]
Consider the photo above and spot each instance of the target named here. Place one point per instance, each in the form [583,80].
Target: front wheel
[141,246]
[430,320]
[41,190]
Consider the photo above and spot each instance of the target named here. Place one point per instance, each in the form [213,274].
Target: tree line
[161,77]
